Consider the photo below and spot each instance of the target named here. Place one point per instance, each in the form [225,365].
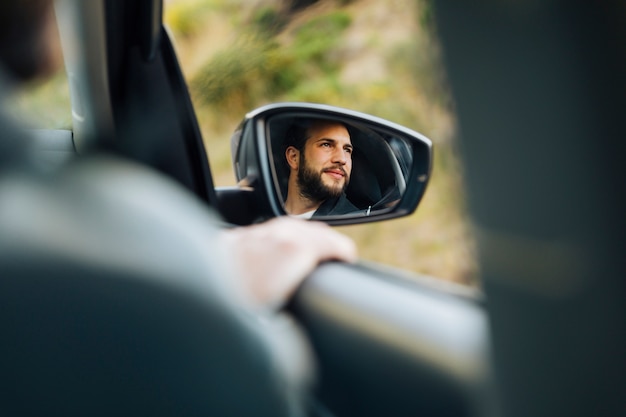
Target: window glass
[375,56]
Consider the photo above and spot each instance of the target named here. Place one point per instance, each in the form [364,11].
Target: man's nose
[340,156]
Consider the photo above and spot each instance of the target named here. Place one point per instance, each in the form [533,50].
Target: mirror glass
[327,166]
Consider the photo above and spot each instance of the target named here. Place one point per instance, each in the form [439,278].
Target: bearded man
[319,155]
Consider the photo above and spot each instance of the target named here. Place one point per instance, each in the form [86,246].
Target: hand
[274,257]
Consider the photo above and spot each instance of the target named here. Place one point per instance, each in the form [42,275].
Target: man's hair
[296,135]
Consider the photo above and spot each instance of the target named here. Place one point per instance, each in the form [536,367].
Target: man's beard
[313,188]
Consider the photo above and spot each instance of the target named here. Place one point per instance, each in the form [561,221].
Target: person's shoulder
[336,206]
[346,205]
[110,211]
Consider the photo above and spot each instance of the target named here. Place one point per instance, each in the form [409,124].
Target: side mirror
[364,168]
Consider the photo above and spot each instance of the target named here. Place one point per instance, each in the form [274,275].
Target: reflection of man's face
[326,162]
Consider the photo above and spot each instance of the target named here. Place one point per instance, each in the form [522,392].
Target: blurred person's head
[319,155]
[26,27]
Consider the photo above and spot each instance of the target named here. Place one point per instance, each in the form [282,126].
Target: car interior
[377,179]
[540,108]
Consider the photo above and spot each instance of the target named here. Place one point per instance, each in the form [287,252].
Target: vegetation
[256,66]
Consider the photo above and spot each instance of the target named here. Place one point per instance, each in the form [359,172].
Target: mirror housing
[391,165]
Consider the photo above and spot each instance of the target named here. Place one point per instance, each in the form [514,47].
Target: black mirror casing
[256,169]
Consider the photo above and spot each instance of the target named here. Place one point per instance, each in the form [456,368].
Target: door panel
[390,346]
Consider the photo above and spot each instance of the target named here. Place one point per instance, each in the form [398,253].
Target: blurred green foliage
[269,61]
[316,39]
[268,20]
[257,67]
[187,18]
[235,77]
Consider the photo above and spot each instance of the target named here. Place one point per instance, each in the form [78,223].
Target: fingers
[319,240]
[276,256]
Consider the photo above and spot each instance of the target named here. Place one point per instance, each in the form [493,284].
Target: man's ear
[293,157]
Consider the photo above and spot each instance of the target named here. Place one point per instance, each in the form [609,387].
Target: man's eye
[326,144]
[349,150]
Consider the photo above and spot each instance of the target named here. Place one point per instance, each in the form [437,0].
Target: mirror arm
[237,204]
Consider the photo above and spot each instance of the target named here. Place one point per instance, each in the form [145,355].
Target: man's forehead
[328,129]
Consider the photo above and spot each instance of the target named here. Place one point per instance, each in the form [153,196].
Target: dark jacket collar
[336,206]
